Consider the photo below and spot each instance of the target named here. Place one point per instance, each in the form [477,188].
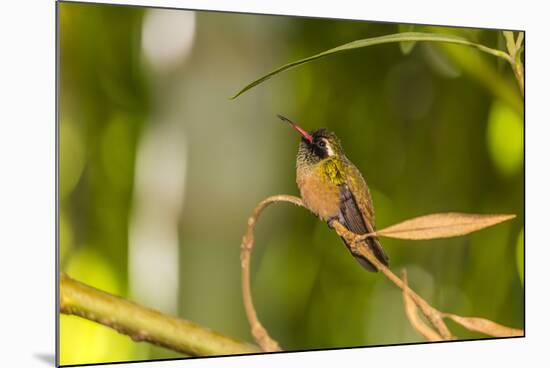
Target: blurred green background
[159,171]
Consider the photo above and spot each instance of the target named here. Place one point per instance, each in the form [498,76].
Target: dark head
[317,145]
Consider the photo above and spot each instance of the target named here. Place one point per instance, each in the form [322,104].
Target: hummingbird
[333,188]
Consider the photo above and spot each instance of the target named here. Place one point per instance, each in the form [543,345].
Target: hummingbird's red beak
[296,127]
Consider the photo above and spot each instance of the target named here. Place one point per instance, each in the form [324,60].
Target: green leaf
[440,62]
[510,43]
[519,40]
[406,46]
[397,37]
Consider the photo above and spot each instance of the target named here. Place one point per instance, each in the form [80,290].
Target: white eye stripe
[330,152]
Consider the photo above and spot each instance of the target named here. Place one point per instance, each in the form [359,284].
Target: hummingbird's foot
[331,220]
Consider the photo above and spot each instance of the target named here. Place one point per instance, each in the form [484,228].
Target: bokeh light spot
[505,138]
[167,37]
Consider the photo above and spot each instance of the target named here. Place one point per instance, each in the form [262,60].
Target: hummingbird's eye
[322,144]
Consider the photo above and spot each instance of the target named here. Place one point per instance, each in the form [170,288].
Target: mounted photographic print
[234,183]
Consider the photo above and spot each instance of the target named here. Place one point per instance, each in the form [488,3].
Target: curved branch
[258,331]
[144,324]
[357,246]
[260,334]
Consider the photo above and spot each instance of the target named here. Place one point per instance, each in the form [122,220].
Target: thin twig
[411,311]
[144,324]
[514,48]
[433,315]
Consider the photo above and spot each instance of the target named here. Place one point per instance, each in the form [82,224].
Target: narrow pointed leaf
[397,37]
[510,43]
[441,225]
[485,326]
[519,40]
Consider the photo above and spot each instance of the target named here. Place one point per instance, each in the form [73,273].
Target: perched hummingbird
[333,188]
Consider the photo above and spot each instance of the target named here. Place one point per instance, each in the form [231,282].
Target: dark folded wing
[356,222]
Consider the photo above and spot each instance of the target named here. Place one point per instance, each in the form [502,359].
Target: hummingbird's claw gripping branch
[331,222]
[349,237]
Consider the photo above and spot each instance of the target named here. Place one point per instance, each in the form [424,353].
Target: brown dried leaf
[441,225]
[485,326]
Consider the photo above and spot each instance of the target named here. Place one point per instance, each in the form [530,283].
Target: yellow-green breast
[319,187]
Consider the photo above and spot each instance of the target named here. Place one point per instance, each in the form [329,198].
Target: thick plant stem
[519,73]
[144,324]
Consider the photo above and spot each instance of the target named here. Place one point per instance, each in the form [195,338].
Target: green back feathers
[333,170]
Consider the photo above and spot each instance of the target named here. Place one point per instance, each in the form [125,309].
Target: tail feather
[376,248]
